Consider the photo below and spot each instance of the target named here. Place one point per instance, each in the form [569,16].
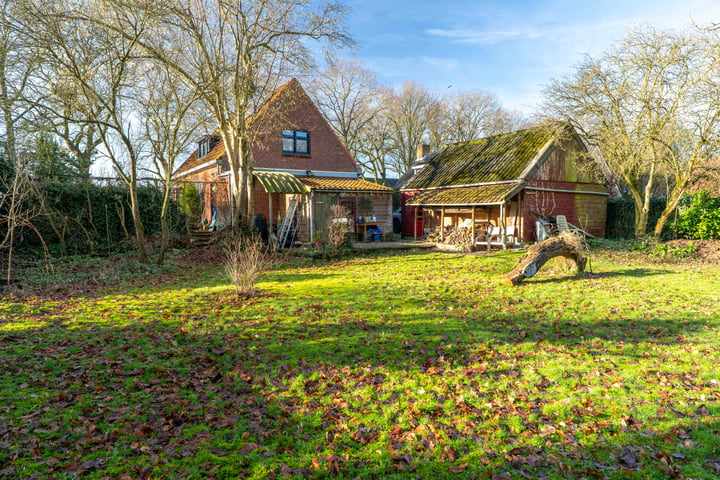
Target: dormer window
[204,148]
[296,142]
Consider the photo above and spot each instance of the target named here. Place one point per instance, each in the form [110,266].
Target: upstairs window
[203,148]
[296,142]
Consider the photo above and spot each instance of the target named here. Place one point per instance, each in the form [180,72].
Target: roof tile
[343,184]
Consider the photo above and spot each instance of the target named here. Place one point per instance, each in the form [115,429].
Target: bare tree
[171,119]
[103,69]
[504,121]
[16,64]
[235,54]
[468,115]
[412,112]
[349,96]
[378,142]
[635,103]
[18,211]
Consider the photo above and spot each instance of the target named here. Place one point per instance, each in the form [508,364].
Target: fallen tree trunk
[567,245]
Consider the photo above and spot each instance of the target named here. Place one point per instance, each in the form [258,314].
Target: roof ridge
[511,133]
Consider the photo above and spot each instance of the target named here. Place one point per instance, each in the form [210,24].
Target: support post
[503,223]
[415,218]
[472,230]
[270,217]
[311,215]
[442,224]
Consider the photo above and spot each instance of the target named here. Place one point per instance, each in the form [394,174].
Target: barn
[508,181]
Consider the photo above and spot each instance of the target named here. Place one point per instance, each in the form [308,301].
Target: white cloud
[481,36]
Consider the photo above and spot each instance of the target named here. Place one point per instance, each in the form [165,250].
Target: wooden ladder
[287,224]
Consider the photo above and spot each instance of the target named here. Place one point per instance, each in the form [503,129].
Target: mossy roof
[500,158]
[462,196]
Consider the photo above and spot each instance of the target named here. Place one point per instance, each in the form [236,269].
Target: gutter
[445,187]
[585,192]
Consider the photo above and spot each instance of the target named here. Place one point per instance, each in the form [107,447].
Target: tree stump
[567,245]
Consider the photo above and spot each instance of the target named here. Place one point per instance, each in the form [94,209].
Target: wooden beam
[472,230]
[415,218]
[503,223]
[442,224]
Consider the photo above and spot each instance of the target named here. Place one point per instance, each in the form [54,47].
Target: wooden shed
[508,180]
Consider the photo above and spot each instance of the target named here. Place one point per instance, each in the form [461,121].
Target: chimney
[422,150]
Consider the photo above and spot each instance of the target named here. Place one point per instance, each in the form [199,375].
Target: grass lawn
[394,365]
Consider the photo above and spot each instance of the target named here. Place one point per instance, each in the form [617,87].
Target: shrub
[620,222]
[245,260]
[190,203]
[699,216]
[338,228]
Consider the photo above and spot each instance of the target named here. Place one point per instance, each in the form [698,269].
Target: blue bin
[376,234]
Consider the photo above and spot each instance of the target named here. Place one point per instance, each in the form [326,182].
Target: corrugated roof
[280,182]
[466,196]
[338,184]
[494,159]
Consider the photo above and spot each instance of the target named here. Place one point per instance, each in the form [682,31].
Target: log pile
[451,236]
[567,244]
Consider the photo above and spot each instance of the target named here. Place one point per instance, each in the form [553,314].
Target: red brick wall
[292,109]
[587,211]
[208,178]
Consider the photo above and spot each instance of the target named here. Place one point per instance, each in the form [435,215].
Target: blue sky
[510,48]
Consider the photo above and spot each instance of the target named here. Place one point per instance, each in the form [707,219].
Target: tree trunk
[567,245]
[137,222]
[670,206]
[165,234]
[641,220]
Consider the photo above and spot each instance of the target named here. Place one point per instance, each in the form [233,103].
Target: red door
[408,216]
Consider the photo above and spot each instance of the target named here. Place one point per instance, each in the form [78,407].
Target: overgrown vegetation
[399,365]
[338,229]
[190,204]
[699,216]
[245,259]
[620,222]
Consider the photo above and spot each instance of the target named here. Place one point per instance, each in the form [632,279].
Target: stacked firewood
[451,236]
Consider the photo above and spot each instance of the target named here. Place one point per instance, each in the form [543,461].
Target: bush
[92,218]
[620,223]
[245,260]
[338,228]
[699,216]
[190,203]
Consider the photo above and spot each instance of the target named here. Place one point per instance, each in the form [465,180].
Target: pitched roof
[338,184]
[193,161]
[500,158]
[218,151]
[462,196]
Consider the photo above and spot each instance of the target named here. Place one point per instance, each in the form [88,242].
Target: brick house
[508,180]
[296,156]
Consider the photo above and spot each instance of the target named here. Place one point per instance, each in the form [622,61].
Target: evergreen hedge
[620,222]
[97,225]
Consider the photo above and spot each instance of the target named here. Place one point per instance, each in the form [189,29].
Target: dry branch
[567,245]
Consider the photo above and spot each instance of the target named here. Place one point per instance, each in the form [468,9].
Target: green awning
[280,182]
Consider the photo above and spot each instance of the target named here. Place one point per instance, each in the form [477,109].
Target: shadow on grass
[218,399]
[332,385]
[630,272]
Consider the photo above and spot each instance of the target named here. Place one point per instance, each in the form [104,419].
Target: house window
[203,148]
[348,203]
[296,142]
